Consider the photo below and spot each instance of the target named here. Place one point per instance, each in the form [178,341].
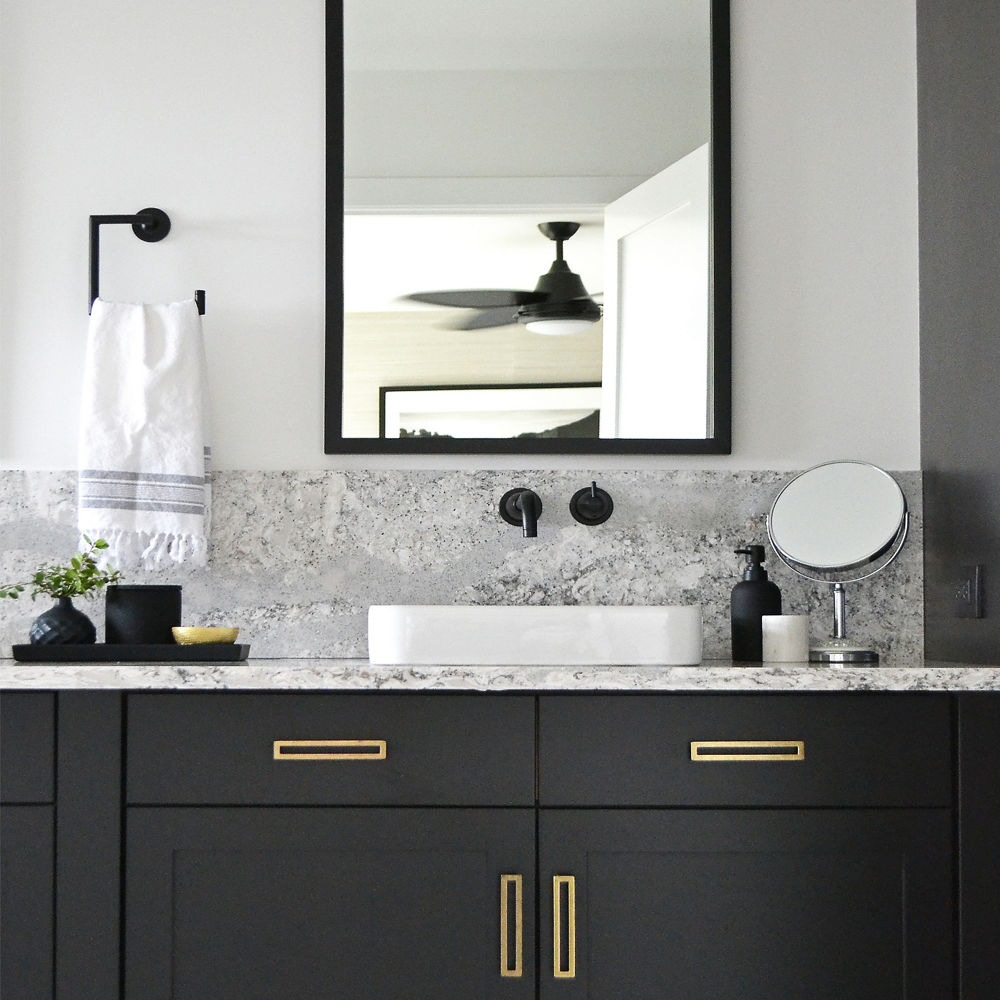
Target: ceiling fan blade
[485,319]
[478,298]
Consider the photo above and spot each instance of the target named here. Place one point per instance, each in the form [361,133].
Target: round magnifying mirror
[838,523]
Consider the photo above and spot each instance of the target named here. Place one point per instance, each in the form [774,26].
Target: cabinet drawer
[330,749]
[752,750]
[27,746]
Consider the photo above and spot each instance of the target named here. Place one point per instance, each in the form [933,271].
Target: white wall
[215,114]
[212,112]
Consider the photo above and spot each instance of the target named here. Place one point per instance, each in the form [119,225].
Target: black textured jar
[63,624]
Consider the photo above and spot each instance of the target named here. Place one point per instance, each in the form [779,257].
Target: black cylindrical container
[753,597]
[141,614]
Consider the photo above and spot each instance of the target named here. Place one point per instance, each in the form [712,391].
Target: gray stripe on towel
[133,477]
[110,503]
[188,493]
[118,486]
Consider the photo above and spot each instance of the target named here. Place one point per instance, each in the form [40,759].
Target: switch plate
[969,592]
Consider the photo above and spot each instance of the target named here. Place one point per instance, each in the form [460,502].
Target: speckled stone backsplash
[297,557]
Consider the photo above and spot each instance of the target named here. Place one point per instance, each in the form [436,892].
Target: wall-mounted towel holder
[150,225]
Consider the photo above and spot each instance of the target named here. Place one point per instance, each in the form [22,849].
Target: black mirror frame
[720,284]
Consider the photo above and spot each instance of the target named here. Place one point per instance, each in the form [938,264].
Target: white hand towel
[144,477]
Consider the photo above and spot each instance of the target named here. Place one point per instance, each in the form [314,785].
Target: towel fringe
[150,550]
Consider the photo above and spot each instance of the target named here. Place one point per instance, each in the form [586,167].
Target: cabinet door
[380,904]
[760,905]
[26,903]
[27,746]
[979,848]
[27,825]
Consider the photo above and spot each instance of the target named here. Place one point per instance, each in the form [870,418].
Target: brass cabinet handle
[329,749]
[733,750]
[558,971]
[507,968]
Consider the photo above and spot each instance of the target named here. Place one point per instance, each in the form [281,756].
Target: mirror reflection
[527,228]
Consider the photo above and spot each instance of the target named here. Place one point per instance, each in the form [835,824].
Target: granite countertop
[360,674]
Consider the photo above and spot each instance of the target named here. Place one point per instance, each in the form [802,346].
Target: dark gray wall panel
[959,161]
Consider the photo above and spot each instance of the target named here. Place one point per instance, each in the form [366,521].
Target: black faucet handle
[591,505]
[523,507]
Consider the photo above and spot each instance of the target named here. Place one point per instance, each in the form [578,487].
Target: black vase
[62,625]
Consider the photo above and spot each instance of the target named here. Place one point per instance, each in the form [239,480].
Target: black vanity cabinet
[183,845]
[284,846]
[694,847]
[27,831]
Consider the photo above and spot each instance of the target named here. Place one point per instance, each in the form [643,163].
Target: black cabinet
[26,878]
[27,746]
[757,846]
[756,750]
[330,749]
[700,904]
[241,904]
[27,831]
[263,859]
[272,844]
[979,844]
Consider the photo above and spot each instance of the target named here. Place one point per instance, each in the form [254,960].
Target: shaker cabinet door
[27,832]
[760,905]
[26,902]
[276,904]
[979,848]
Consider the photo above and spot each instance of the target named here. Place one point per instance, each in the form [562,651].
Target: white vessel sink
[475,634]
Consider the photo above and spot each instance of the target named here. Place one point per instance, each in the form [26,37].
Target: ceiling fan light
[559,327]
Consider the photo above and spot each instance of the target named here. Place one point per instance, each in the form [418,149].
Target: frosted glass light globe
[559,327]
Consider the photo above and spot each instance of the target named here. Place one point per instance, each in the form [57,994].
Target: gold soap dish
[189,635]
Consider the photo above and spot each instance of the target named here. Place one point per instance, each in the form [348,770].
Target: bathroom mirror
[838,523]
[461,139]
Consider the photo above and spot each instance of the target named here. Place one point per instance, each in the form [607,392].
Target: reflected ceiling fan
[559,303]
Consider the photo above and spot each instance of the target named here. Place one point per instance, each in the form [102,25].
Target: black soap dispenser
[753,597]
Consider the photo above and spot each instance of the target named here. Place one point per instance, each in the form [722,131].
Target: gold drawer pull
[569,971]
[729,750]
[507,969]
[329,749]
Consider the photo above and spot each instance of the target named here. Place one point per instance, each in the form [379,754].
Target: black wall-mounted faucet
[523,507]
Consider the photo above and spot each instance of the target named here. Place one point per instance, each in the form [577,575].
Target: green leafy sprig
[81,577]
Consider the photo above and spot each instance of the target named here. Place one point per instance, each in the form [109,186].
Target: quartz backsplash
[297,557]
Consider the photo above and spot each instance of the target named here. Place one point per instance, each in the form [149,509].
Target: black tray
[102,652]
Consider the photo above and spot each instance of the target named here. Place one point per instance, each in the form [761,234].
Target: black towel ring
[151,225]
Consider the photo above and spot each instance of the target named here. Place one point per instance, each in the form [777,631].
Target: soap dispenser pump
[753,597]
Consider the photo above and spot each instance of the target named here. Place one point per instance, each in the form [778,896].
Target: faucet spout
[530,507]
[524,507]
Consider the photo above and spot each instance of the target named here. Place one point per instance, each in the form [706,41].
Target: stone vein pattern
[359,674]
[297,557]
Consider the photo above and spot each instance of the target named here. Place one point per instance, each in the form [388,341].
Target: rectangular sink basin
[476,634]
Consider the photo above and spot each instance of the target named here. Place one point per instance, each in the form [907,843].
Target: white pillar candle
[785,638]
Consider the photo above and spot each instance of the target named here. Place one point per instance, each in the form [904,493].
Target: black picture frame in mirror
[719,440]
